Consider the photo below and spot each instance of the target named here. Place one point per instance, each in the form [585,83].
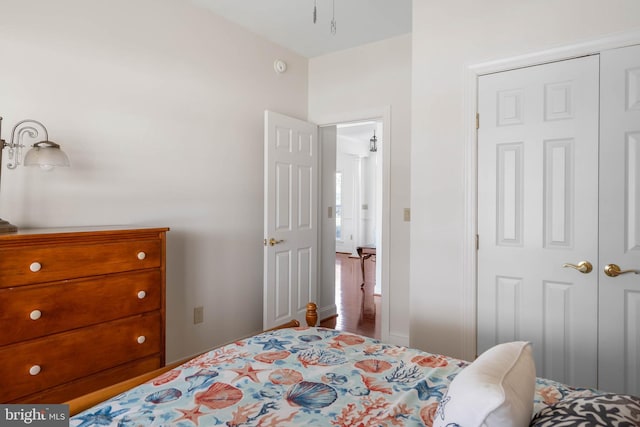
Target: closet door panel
[537,212]
[619,296]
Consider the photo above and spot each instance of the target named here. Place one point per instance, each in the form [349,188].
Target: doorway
[319,282]
[326,277]
[358,195]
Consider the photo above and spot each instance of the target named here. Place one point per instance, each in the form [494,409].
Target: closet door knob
[583,266]
[141,339]
[142,294]
[34,370]
[35,267]
[35,315]
[141,255]
[613,270]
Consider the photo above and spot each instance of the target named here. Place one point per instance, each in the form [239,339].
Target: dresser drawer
[84,385]
[47,263]
[31,366]
[39,310]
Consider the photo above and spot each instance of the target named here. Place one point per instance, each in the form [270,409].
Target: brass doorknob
[612,270]
[272,242]
[583,266]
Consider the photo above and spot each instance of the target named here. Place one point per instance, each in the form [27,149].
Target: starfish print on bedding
[191,414]
[102,417]
[425,391]
[247,371]
[273,344]
[440,410]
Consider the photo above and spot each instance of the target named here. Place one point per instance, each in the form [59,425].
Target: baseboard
[329,322]
[401,340]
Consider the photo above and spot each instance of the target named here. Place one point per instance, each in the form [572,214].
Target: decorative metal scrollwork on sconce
[45,154]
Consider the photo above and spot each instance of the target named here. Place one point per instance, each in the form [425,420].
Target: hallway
[358,307]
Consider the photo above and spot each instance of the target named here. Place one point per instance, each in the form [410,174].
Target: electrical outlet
[198,315]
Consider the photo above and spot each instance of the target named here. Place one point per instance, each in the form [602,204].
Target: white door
[619,350]
[290,218]
[537,212]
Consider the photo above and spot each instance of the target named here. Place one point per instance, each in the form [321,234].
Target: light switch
[407,214]
[198,315]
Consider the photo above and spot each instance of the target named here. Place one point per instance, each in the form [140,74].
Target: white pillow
[496,390]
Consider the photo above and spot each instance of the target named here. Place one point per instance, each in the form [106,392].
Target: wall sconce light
[373,143]
[44,153]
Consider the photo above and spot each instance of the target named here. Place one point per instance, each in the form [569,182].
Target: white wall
[447,38]
[361,79]
[159,105]
[370,184]
[345,164]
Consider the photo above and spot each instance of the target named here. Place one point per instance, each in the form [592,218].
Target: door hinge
[477,121]
[477,242]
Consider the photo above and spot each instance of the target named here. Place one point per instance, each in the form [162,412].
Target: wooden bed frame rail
[86,401]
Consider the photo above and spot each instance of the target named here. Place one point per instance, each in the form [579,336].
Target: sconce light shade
[47,155]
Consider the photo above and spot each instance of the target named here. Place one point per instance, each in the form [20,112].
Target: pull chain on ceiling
[333,19]
[334,26]
[315,11]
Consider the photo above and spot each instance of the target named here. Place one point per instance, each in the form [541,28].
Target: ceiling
[289,23]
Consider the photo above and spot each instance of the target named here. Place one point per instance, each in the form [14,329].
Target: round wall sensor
[280,66]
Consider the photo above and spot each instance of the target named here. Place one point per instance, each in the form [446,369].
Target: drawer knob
[35,314]
[34,370]
[35,267]
[141,339]
[141,255]
[142,294]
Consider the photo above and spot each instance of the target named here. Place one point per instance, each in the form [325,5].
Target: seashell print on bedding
[285,378]
[218,396]
[163,396]
[201,379]
[166,377]
[272,356]
[311,395]
[373,365]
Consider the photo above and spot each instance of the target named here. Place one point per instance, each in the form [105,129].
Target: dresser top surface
[27,233]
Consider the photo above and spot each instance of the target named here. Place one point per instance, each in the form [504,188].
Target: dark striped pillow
[617,410]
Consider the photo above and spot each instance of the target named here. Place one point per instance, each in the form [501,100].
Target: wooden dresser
[80,309]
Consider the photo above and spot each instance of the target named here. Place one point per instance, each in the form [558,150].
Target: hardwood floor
[358,307]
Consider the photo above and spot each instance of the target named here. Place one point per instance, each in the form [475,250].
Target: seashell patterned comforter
[297,377]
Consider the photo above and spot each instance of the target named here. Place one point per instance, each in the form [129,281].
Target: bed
[311,376]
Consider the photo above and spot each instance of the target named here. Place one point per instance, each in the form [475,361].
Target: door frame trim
[471,74]
[384,114]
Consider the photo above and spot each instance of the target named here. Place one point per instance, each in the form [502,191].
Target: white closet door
[619,347]
[537,211]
